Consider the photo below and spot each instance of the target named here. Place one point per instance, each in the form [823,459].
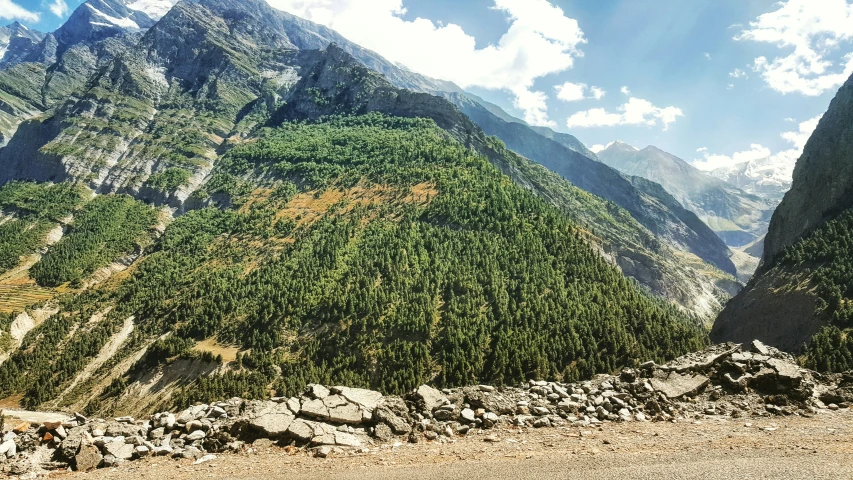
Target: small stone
[486,388]
[162,450]
[323,451]
[262,443]
[491,438]
[204,459]
[119,450]
[167,421]
[759,347]
[430,435]
[142,451]
[196,435]
[490,419]
[21,428]
[833,407]
[8,448]
[468,415]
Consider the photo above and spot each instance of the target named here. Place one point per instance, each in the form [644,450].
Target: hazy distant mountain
[764,177]
[736,216]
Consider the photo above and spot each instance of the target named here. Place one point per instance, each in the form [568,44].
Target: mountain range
[226,196]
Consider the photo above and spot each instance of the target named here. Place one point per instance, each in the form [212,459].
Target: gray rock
[272,420]
[386,415]
[467,415]
[759,347]
[162,450]
[322,452]
[429,398]
[490,420]
[88,458]
[205,459]
[142,451]
[119,450]
[196,435]
[71,444]
[675,385]
[317,392]
[168,421]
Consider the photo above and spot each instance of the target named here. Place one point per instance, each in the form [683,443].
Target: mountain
[267,214]
[16,41]
[172,48]
[765,178]
[681,229]
[737,217]
[802,293]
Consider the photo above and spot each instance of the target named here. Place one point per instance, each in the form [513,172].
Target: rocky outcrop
[823,179]
[722,381]
[781,305]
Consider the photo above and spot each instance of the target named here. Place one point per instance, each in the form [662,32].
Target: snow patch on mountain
[118,22]
[155,9]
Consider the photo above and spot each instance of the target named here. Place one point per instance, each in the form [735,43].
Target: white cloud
[785,159]
[59,8]
[625,91]
[702,149]
[810,31]
[598,148]
[573,92]
[10,10]
[738,73]
[707,55]
[636,112]
[789,119]
[539,41]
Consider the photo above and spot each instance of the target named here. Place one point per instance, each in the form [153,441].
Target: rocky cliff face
[801,286]
[823,178]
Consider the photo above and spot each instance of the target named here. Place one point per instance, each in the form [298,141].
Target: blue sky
[684,76]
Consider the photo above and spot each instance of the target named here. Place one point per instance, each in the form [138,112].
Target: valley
[235,239]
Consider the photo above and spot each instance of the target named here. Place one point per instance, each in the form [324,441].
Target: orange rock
[47,437]
[52,425]
[21,427]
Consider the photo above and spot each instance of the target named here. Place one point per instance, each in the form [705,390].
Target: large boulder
[271,419]
[428,398]
[676,385]
[88,458]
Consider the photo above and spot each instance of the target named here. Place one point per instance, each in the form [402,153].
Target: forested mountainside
[371,251]
[207,201]
[737,217]
[150,114]
[800,298]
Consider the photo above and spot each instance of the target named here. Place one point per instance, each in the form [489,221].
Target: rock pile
[725,380]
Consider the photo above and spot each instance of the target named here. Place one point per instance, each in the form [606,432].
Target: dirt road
[768,448]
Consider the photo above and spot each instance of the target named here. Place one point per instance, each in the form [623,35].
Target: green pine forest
[370,251]
[828,253]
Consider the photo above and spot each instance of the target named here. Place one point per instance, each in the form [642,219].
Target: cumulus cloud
[10,10]
[573,92]
[810,32]
[540,40]
[59,8]
[785,159]
[625,91]
[636,112]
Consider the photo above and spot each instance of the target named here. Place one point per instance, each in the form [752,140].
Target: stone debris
[723,380]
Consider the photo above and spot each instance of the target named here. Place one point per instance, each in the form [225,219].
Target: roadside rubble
[724,380]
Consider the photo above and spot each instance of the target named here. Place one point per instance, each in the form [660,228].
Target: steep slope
[154,118]
[680,228]
[737,217]
[374,251]
[802,292]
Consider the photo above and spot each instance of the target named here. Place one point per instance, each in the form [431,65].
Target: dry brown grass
[229,353]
